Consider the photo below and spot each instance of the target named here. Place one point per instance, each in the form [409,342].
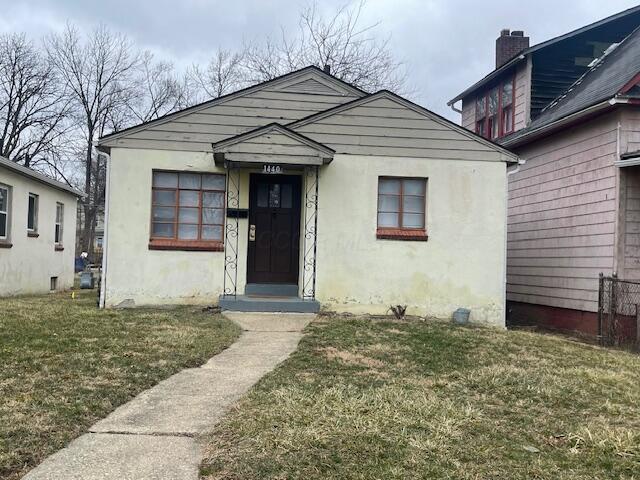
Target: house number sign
[271,169]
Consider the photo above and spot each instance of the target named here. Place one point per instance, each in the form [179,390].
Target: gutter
[105,238]
[565,121]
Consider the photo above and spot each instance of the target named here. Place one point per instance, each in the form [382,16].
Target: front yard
[384,399]
[65,364]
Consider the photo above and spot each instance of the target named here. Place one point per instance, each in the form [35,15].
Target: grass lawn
[64,364]
[407,400]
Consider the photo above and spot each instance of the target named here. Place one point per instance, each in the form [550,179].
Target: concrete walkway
[154,436]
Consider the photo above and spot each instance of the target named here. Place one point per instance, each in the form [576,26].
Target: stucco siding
[134,272]
[461,264]
[562,217]
[27,267]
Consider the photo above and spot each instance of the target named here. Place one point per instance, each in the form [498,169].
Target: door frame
[296,181]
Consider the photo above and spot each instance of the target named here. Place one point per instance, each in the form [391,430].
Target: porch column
[231,230]
[310,232]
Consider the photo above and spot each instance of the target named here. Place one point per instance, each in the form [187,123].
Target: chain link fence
[619,312]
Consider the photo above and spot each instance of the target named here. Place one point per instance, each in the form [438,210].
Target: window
[494,111]
[53,284]
[5,205]
[32,214]
[98,243]
[187,210]
[507,107]
[59,223]
[401,208]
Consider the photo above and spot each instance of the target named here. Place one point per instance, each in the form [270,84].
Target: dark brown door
[274,229]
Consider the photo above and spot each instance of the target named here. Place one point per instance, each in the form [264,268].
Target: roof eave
[565,121]
[491,76]
[38,177]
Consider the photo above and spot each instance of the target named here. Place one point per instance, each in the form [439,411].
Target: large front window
[187,210]
[494,111]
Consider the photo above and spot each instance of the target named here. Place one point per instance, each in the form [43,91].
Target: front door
[274,229]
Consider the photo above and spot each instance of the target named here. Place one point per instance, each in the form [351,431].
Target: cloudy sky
[446,44]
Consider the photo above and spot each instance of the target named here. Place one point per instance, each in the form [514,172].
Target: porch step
[245,303]
[271,289]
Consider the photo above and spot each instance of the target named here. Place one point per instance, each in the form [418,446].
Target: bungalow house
[37,231]
[305,192]
[570,108]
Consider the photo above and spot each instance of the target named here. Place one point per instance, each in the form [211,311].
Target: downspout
[105,239]
[619,222]
[506,223]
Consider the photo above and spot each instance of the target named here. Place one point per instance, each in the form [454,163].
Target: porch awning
[272,144]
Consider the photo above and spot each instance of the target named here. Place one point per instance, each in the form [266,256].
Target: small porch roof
[272,144]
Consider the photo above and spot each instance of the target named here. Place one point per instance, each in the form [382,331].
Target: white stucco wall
[461,265]
[146,276]
[27,267]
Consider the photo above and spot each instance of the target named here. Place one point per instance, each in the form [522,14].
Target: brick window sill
[186,245]
[59,248]
[33,234]
[400,234]
[5,244]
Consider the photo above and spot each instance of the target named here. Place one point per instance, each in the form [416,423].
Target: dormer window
[494,111]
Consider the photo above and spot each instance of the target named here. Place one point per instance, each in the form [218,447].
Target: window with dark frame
[59,223]
[187,209]
[32,213]
[494,111]
[4,212]
[401,207]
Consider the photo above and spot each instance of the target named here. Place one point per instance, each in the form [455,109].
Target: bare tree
[222,75]
[33,104]
[159,92]
[99,72]
[352,50]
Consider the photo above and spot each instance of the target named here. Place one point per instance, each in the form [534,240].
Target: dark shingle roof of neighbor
[603,81]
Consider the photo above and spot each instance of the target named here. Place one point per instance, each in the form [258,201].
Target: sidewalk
[154,436]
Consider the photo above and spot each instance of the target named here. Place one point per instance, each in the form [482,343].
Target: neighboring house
[333,196]
[570,108]
[98,237]
[37,231]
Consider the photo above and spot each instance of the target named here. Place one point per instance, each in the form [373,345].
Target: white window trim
[5,238]
[59,223]
[36,205]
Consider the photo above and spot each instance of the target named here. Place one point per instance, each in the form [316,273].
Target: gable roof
[404,103]
[540,46]
[310,80]
[38,177]
[312,148]
[605,80]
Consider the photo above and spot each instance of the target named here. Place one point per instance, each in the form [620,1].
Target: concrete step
[271,289]
[246,303]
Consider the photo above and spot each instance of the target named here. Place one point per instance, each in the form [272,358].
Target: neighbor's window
[4,211]
[401,207]
[59,223]
[494,111]
[32,213]
[187,210]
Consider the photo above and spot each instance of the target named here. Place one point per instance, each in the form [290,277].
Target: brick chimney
[509,44]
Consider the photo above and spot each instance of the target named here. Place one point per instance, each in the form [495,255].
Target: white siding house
[37,231]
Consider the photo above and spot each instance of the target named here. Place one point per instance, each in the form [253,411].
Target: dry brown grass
[361,400]
[65,364]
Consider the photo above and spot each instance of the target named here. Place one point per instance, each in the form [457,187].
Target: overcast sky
[446,44]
